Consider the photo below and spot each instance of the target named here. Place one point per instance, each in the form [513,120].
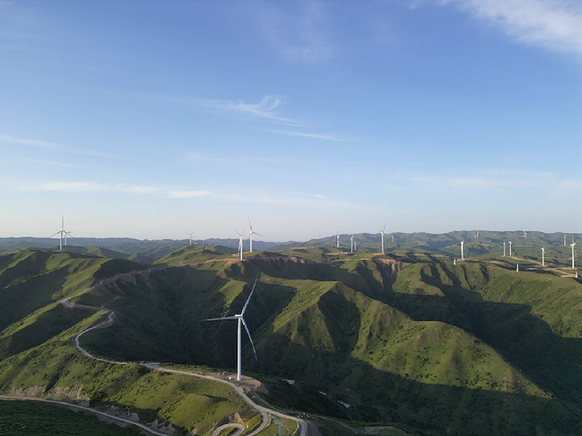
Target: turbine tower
[573,244]
[251,236]
[504,249]
[543,252]
[336,239]
[190,235]
[351,243]
[462,250]
[240,320]
[62,234]
[382,233]
[509,248]
[240,242]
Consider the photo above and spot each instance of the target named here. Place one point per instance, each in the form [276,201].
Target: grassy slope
[368,337]
[20,418]
[440,347]
[38,357]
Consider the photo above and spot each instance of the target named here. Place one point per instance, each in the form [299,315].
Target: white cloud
[188,194]
[553,24]
[80,187]
[58,164]
[299,35]
[52,146]
[548,183]
[306,135]
[265,110]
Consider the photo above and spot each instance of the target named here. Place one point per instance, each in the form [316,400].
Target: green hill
[414,339]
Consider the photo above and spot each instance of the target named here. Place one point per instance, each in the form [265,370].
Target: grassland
[411,341]
[21,418]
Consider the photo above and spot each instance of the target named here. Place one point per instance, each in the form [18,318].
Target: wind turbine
[63,234]
[240,320]
[190,234]
[251,236]
[240,242]
[509,248]
[504,249]
[382,233]
[543,252]
[351,243]
[462,250]
[336,239]
[573,244]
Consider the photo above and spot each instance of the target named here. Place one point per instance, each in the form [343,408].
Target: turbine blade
[251,339]
[55,234]
[220,319]
[249,299]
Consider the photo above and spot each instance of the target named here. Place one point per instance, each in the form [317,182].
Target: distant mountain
[152,249]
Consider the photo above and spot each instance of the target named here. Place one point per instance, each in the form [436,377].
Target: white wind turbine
[190,235]
[462,250]
[573,244]
[543,253]
[63,234]
[509,248]
[240,242]
[336,239]
[240,320]
[382,233]
[351,243]
[251,236]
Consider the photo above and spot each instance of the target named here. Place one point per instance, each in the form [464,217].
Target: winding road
[264,411]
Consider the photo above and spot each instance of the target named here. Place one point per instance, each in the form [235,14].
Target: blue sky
[148,119]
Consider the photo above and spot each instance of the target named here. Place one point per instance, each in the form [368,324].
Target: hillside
[417,340]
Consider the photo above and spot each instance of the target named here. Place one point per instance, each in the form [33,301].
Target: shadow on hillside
[19,300]
[527,342]
[326,380]
[45,326]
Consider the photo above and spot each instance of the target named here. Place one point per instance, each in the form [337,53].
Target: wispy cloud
[188,194]
[265,110]
[122,188]
[53,163]
[299,35]
[477,182]
[197,157]
[306,135]
[549,183]
[52,146]
[555,25]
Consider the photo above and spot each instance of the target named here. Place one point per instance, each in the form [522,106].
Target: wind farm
[160,307]
[303,301]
